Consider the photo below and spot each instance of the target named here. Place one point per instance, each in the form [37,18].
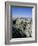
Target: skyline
[21,12]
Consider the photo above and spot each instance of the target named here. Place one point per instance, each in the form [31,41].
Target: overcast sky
[21,12]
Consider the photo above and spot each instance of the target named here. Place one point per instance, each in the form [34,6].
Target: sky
[21,12]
